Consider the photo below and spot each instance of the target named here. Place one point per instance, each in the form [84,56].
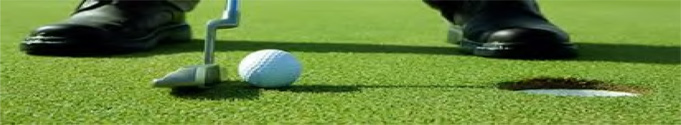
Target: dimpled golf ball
[269,68]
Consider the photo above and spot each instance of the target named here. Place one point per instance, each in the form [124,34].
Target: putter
[208,74]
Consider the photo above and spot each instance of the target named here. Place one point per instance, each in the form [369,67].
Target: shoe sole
[538,50]
[518,50]
[60,46]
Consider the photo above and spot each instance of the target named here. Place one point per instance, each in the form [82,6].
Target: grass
[364,62]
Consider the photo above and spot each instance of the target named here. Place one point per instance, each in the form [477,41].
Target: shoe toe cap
[67,32]
[524,35]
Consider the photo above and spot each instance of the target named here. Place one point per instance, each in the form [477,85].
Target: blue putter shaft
[230,19]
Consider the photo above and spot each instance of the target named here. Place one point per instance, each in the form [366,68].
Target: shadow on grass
[228,90]
[355,88]
[629,53]
[197,46]
[242,91]
[588,51]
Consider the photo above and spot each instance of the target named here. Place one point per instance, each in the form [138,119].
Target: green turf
[364,62]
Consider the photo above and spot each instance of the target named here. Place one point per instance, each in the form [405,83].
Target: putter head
[207,75]
[202,76]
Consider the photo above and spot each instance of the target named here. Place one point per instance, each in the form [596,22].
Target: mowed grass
[364,62]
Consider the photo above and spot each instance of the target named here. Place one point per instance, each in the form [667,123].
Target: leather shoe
[110,27]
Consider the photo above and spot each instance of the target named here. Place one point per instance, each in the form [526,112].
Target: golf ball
[269,68]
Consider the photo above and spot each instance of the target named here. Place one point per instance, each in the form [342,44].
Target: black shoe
[506,29]
[106,27]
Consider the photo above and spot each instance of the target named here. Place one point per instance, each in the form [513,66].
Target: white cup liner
[579,92]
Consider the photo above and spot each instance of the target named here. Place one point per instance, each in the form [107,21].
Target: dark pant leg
[186,5]
[459,11]
[447,8]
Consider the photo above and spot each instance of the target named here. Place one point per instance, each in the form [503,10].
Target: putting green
[364,62]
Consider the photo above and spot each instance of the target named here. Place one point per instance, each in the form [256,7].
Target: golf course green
[364,62]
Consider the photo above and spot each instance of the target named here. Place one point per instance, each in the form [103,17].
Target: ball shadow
[241,91]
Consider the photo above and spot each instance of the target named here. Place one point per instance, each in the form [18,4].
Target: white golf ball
[269,68]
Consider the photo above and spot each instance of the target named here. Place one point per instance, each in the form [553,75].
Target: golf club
[207,74]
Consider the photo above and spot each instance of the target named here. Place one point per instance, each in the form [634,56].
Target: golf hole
[571,87]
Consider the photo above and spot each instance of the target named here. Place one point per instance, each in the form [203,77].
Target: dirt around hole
[567,83]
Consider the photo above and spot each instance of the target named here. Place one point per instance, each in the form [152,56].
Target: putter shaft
[230,19]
